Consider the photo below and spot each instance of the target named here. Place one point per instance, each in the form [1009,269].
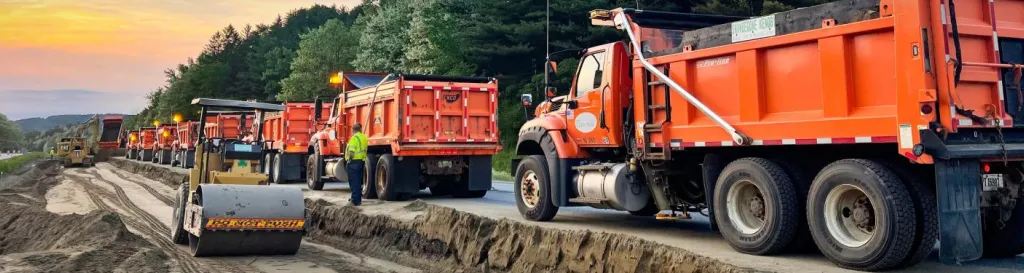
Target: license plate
[991,182]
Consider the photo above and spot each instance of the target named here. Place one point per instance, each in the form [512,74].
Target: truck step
[654,83]
[672,216]
[586,200]
[656,106]
[653,127]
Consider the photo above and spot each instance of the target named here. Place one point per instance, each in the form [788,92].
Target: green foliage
[11,164]
[10,134]
[382,45]
[322,52]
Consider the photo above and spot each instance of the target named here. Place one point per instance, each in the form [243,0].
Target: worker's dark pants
[355,180]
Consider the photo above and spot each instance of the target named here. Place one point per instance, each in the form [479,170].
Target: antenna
[547,42]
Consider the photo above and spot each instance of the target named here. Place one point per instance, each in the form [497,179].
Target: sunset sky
[115,51]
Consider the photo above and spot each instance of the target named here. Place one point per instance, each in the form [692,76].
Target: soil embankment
[443,239]
[35,240]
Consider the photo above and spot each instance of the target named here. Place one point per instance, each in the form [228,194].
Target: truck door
[584,122]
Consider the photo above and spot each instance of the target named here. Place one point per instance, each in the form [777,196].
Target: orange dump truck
[184,146]
[166,135]
[131,143]
[839,124]
[286,136]
[146,145]
[228,125]
[436,132]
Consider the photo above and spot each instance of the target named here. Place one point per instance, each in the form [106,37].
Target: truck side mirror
[527,99]
[318,108]
[550,91]
[552,67]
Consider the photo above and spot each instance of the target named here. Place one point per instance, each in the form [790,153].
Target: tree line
[293,57]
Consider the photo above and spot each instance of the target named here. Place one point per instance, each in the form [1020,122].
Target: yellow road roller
[227,207]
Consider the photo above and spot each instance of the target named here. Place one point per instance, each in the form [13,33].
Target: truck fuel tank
[609,186]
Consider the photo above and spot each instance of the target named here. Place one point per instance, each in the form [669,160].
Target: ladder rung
[656,83]
[656,106]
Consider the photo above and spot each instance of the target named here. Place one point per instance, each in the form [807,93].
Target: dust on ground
[35,240]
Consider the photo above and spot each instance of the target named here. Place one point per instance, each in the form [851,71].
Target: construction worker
[53,151]
[355,154]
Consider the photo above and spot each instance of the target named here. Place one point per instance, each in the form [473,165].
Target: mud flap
[958,184]
[407,174]
[480,173]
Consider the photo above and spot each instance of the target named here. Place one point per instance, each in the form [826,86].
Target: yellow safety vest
[356,147]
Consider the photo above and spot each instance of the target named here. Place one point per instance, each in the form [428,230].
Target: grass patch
[11,164]
[501,175]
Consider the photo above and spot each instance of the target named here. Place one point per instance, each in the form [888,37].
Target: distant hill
[43,124]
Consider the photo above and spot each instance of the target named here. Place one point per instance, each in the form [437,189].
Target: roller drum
[248,220]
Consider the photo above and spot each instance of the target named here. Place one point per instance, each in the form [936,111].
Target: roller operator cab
[426,131]
[226,207]
[869,136]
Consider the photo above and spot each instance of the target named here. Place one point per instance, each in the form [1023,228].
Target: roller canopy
[237,104]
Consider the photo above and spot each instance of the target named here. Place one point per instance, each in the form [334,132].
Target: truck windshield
[657,40]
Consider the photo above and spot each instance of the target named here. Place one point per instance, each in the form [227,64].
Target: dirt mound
[455,241]
[35,240]
[161,174]
[97,241]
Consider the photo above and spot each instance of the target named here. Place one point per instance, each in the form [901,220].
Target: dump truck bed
[428,115]
[289,131]
[147,137]
[110,132]
[227,126]
[187,134]
[785,79]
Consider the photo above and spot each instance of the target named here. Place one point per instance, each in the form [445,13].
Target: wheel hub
[756,204]
[746,207]
[530,189]
[849,215]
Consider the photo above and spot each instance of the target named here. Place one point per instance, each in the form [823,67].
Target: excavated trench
[442,239]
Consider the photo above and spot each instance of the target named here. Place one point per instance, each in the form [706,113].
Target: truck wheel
[461,189]
[531,189]
[861,215]
[1007,241]
[313,176]
[178,233]
[369,172]
[384,180]
[268,161]
[275,169]
[441,189]
[755,206]
[926,211]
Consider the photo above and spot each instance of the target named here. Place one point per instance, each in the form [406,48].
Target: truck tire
[441,189]
[314,175]
[178,233]
[369,172]
[926,211]
[802,242]
[1007,241]
[275,169]
[840,208]
[755,206]
[266,165]
[532,189]
[385,182]
[461,189]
